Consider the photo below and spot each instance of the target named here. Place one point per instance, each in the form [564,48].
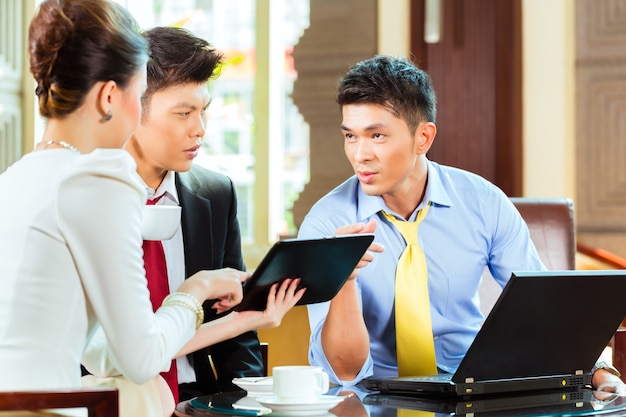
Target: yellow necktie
[403,412]
[415,348]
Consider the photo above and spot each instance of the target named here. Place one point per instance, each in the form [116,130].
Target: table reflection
[362,403]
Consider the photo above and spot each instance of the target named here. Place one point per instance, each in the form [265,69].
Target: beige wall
[549,98]
[393,27]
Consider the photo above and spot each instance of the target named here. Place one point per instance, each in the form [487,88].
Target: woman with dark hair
[70,239]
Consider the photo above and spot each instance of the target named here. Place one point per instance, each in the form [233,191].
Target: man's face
[170,134]
[382,151]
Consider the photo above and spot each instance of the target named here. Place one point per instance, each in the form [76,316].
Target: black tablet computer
[323,265]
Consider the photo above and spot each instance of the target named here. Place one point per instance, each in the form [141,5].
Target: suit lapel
[198,240]
[197,229]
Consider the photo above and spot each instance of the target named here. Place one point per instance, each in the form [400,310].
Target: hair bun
[48,32]
[73,44]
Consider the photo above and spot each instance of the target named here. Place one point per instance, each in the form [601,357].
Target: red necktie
[158,285]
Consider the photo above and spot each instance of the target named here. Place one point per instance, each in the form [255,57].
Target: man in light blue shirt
[389,108]
[470,224]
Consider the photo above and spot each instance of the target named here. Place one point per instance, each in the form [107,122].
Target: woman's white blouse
[70,259]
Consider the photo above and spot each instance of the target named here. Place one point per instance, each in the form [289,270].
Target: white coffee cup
[160,222]
[299,384]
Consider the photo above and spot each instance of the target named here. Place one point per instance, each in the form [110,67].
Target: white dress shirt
[175,258]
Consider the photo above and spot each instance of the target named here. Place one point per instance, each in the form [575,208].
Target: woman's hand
[223,284]
[281,298]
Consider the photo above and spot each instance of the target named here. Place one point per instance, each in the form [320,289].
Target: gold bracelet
[188,301]
[179,303]
[190,297]
[186,297]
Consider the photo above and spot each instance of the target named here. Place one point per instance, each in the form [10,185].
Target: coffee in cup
[299,384]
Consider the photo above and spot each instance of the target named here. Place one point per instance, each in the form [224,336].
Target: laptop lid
[546,331]
[322,264]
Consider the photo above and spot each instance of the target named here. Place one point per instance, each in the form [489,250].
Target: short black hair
[395,83]
[177,57]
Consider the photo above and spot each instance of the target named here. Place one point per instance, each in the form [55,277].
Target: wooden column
[340,34]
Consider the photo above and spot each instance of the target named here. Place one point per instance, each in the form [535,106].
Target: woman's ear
[424,137]
[106,98]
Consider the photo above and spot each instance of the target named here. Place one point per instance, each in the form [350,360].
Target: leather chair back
[551,225]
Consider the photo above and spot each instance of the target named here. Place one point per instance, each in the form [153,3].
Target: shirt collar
[436,192]
[167,189]
[435,189]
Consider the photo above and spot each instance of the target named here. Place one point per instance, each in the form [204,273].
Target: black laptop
[323,265]
[546,331]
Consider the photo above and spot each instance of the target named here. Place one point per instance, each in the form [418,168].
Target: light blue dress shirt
[470,225]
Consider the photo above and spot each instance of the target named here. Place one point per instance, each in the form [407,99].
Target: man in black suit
[164,145]
[211,240]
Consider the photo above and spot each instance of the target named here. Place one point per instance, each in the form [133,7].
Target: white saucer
[256,385]
[314,408]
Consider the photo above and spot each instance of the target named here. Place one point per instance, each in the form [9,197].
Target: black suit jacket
[212,240]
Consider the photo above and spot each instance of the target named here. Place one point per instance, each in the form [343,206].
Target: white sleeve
[97,358]
[99,211]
